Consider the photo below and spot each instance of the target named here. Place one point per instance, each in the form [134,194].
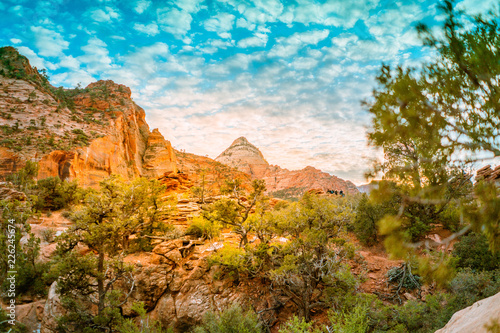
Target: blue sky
[288,75]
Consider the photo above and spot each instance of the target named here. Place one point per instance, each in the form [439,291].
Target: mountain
[246,157]
[83,134]
[280,182]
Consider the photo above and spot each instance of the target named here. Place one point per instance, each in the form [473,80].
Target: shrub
[473,252]
[367,216]
[355,321]
[234,259]
[201,227]
[48,235]
[232,320]
[55,194]
[296,325]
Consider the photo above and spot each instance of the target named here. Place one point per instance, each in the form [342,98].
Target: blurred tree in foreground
[433,123]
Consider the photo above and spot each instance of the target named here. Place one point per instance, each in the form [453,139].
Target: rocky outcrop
[280,182]
[178,287]
[104,132]
[476,318]
[30,315]
[159,156]
[9,194]
[488,174]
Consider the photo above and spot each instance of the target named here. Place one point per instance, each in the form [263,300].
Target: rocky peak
[15,65]
[244,156]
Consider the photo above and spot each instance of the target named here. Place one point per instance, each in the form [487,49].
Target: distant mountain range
[280,182]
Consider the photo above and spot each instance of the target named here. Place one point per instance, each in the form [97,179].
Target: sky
[288,75]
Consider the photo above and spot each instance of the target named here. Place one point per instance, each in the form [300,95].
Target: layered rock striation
[280,182]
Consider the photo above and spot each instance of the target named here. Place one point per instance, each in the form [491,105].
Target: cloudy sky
[287,75]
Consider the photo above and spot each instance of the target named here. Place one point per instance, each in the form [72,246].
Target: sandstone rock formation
[280,182]
[476,318]
[83,134]
[245,157]
[488,174]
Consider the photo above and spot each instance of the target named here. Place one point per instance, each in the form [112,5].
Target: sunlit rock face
[103,132]
[476,318]
[281,182]
[245,157]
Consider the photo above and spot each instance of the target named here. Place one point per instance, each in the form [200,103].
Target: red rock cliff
[87,136]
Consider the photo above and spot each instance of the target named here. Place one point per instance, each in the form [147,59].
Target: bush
[232,320]
[55,194]
[367,216]
[201,227]
[48,235]
[355,321]
[473,252]
[296,325]
[233,259]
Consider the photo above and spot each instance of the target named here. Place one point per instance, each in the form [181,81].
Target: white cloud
[474,7]
[189,6]
[304,63]
[34,59]
[49,43]
[96,56]
[221,24]
[242,23]
[174,21]
[69,62]
[150,29]
[255,41]
[15,41]
[289,46]
[141,6]
[104,15]
[339,13]
[72,78]
[143,61]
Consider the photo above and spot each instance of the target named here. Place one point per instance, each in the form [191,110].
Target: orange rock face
[104,133]
[280,182]
[129,149]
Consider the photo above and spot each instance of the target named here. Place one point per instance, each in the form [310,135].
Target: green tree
[234,210]
[311,268]
[104,223]
[435,121]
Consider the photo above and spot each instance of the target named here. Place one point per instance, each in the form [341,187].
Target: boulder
[475,318]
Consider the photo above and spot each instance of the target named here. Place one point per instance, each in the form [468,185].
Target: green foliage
[145,325]
[314,258]
[235,260]
[48,235]
[234,211]
[368,214]
[104,222]
[30,271]
[354,321]
[472,251]
[202,228]
[296,325]
[6,326]
[24,179]
[54,194]
[432,123]
[232,320]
